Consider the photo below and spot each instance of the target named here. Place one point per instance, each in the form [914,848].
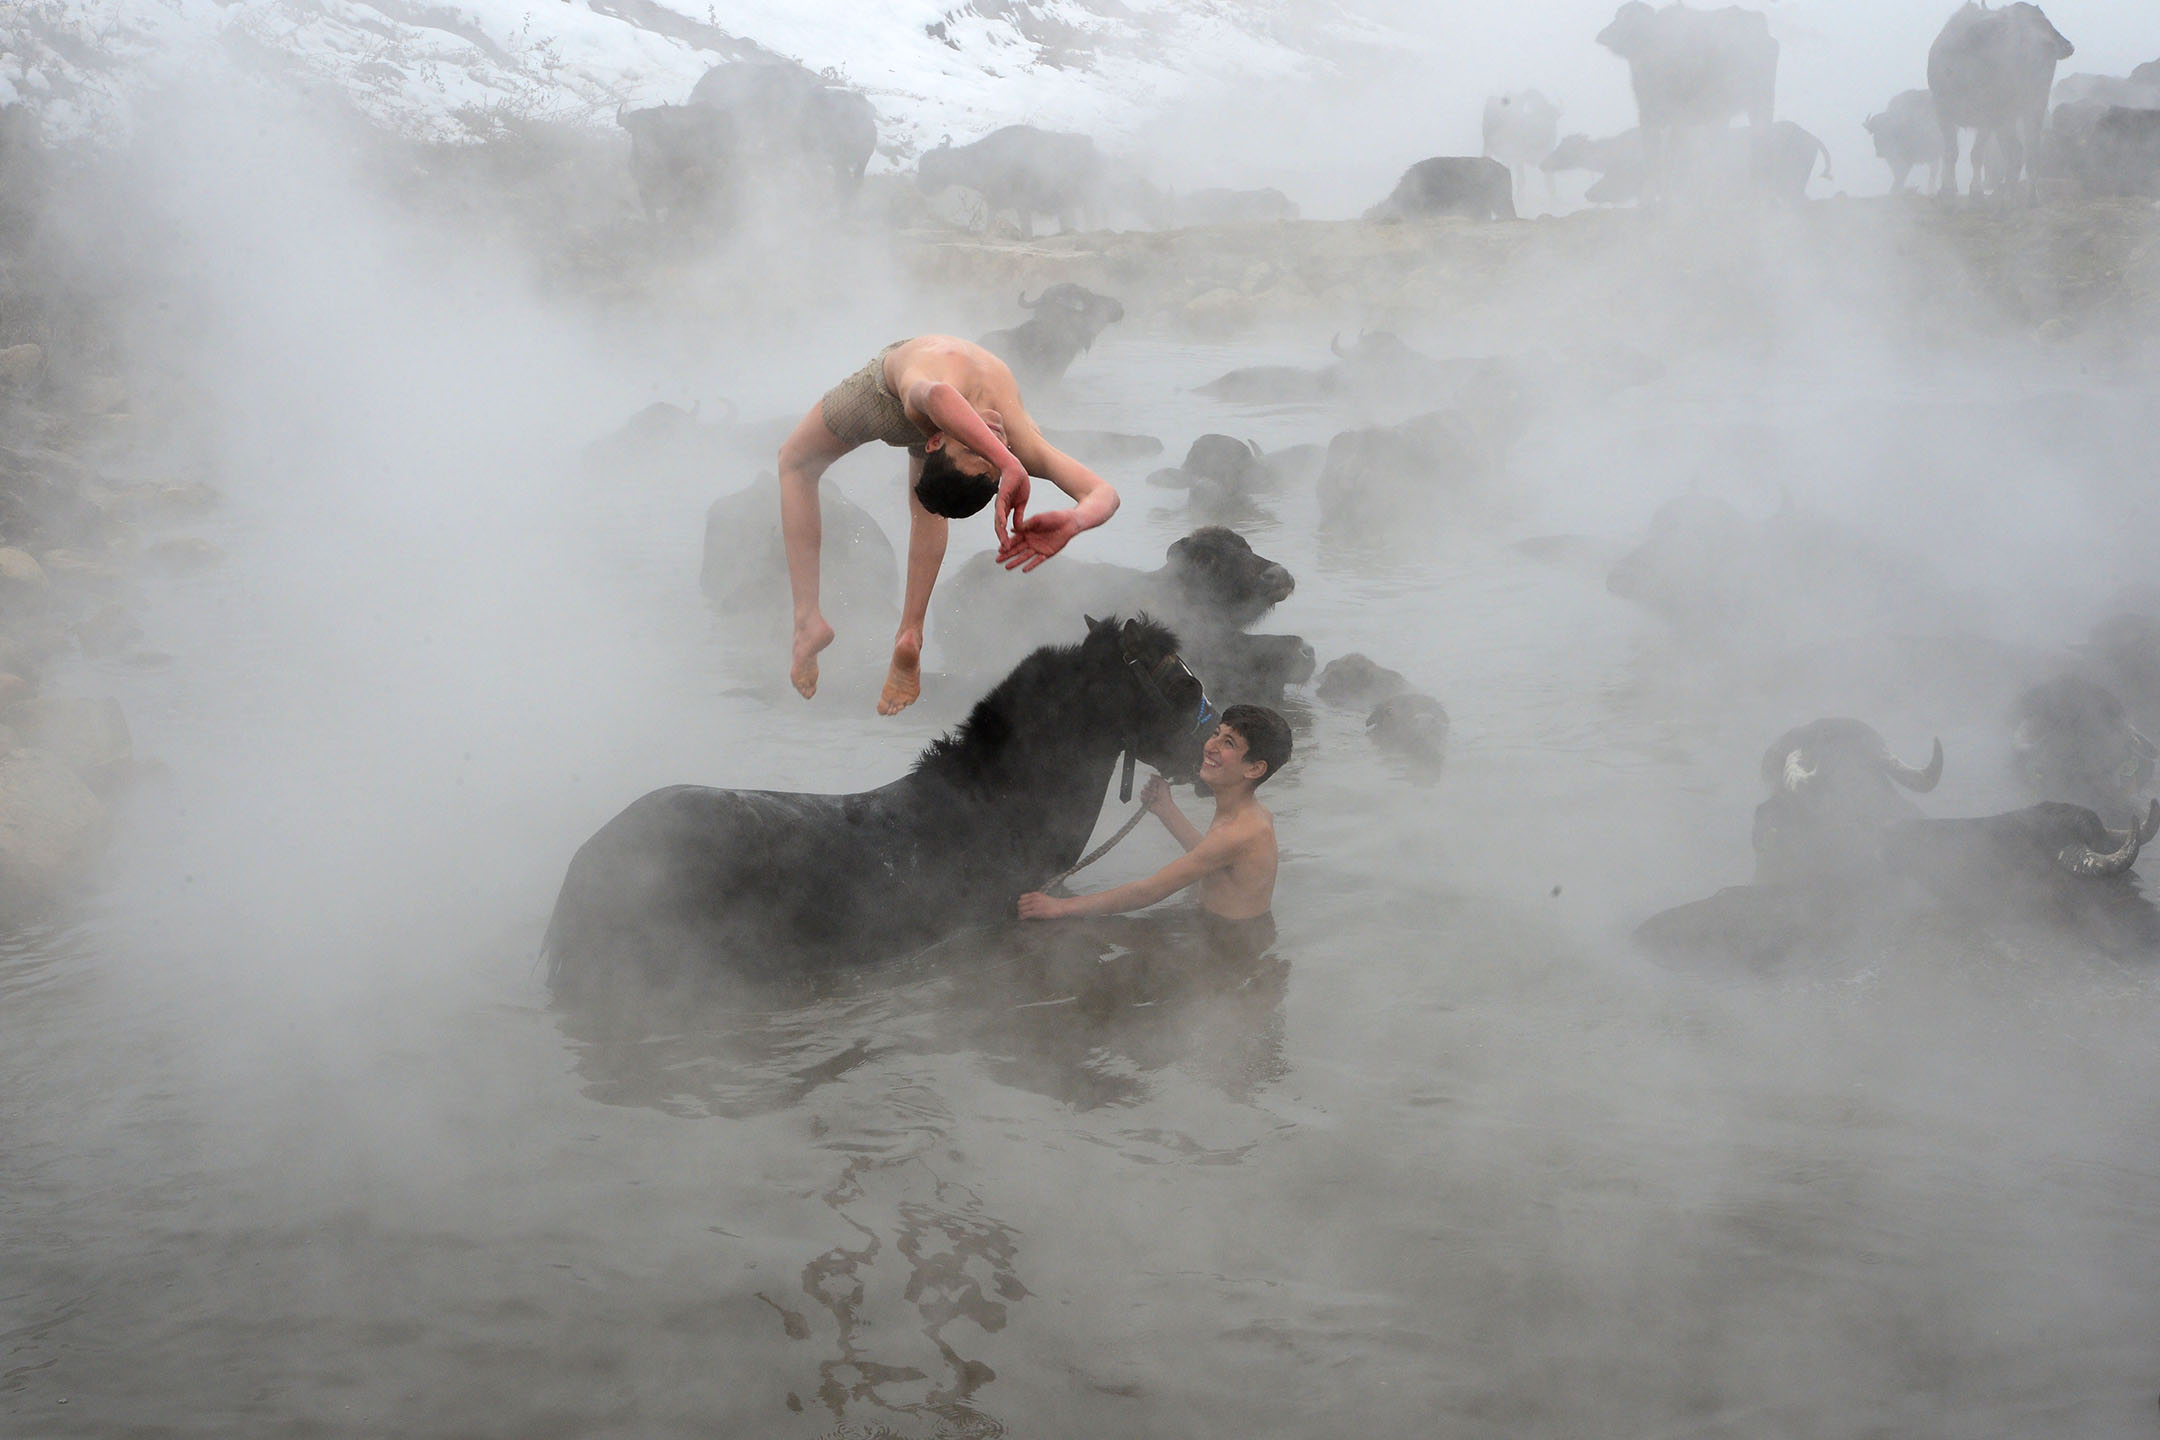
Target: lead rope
[1099,851]
[1124,796]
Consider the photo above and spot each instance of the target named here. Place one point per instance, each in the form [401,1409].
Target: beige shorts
[863,408]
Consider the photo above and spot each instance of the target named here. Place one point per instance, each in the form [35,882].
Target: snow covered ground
[441,68]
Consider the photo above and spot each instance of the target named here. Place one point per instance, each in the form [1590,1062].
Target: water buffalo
[790,122]
[1211,586]
[2107,149]
[2124,653]
[1221,475]
[661,442]
[1781,161]
[1617,161]
[745,572]
[1411,726]
[1103,446]
[1906,136]
[1991,70]
[2104,90]
[1713,573]
[1234,207]
[2046,838]
[1822,863]
[679,159]
[1774,163]
[1475,188]
[1022,171]
[690,883]
[1692,69]
[1274,385]
[1218,459]
[2054,865]
[1520,130]
[1834,786]
[1066,321]
[2072,740]
[1373,476]
[1357,682]
[1376,366]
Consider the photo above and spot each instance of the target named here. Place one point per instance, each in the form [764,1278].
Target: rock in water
[51,825]
[20,574]
[20,364]
[89,736]
[745,571]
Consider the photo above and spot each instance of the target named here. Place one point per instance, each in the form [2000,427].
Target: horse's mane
[1049,678]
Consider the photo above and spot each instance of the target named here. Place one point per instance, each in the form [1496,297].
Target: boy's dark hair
[1266,735]
[945,489]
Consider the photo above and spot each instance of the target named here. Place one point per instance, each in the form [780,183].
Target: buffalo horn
[2151,827]
[1335,344]
[1027,304]
[1912,777]
[2082,859]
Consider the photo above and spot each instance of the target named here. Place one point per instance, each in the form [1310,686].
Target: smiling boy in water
[1233,860]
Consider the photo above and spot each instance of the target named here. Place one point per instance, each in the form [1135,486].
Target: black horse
[691,881]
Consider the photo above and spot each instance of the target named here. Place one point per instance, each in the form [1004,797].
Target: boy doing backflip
[954,408]
[1233,860]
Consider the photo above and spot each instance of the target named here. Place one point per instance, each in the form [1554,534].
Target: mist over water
[297,1142]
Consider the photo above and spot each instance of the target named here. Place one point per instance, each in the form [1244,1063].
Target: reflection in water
[957,1258]
[1086,1013]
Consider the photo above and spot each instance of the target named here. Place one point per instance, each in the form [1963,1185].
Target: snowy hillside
[431,67]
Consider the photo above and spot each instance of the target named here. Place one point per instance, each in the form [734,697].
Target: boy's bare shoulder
[1255,823]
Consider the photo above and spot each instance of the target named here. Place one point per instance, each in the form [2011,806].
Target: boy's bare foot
[903,683]
[810,637]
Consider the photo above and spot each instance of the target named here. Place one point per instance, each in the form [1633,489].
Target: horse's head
[1163,711]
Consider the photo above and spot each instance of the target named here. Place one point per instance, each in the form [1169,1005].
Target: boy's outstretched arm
[1155,795]
[1214,852]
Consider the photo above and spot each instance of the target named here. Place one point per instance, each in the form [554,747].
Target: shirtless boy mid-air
[954,407]
[1233,861]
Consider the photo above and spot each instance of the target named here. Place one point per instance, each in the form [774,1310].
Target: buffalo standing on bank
[1906,137]
[1692,69]
[1023,172]
[1991,71]
[789,123]
[1468,186]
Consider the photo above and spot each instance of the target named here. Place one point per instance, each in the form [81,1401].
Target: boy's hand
[1037,538]
[1010,509]
[1037,906]
[1155,796]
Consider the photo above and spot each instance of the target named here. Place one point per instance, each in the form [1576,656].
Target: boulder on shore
[89,736]
[51,825]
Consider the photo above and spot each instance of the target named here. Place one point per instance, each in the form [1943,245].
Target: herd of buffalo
[1840,842]
[1990,73]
